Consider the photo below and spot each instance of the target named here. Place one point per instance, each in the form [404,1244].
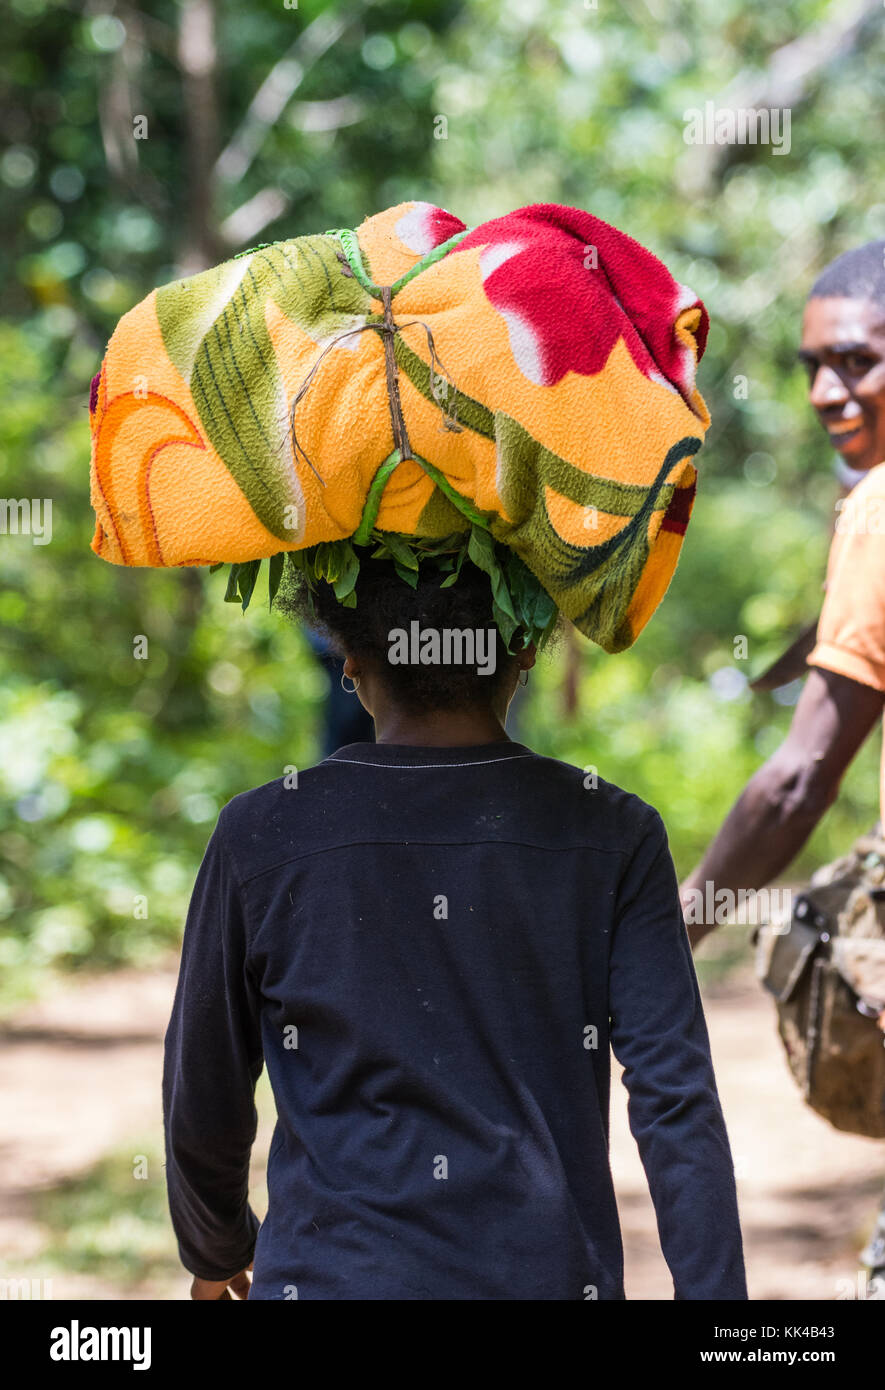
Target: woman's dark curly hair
[385,602]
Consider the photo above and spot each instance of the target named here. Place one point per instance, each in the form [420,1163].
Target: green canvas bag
[825,967]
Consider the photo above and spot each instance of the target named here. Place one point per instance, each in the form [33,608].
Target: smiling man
[843,349]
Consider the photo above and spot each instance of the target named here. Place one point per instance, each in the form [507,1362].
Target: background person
[843,348]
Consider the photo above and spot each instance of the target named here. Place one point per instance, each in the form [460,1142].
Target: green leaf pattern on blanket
[215,332]
[592,584]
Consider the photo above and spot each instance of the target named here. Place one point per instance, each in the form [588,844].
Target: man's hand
[221,1288]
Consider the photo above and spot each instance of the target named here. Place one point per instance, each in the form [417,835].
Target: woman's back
[433,949]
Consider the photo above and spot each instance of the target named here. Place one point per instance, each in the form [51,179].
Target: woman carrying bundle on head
[445,442]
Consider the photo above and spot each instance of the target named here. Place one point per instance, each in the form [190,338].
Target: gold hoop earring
[356,684]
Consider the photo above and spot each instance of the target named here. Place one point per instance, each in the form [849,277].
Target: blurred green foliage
[112,768]
[105,1222]
[105,1232]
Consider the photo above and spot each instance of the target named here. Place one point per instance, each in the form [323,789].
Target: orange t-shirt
[851,630]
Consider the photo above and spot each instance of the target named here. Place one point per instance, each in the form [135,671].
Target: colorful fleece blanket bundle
[543,370]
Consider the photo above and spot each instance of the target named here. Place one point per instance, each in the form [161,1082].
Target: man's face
[843,348]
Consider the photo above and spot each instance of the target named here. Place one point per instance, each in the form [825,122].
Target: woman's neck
[439,728]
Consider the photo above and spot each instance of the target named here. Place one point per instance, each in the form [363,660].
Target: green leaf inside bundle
[522,610]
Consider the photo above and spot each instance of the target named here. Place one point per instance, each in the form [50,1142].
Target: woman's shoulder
[548,799]
[623,815]
[271,805]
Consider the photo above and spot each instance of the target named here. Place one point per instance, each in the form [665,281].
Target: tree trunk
[197,61]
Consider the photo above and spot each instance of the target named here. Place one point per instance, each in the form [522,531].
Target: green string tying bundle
[522,610]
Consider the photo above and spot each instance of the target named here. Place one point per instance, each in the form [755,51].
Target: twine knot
[442,388]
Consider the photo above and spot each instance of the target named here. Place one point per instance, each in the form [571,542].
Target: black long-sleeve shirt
[433,950]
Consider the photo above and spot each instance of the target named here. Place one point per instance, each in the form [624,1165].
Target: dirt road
[80,1075]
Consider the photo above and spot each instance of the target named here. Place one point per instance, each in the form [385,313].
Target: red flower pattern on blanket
[547,269]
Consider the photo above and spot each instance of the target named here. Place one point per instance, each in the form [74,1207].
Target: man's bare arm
[783,802]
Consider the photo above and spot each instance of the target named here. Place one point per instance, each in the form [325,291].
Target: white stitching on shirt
[360,762]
